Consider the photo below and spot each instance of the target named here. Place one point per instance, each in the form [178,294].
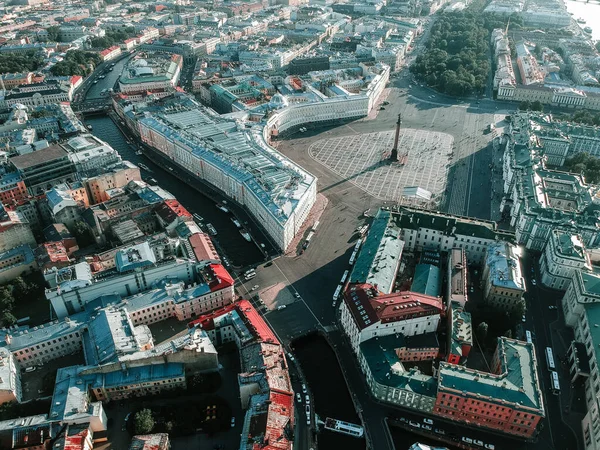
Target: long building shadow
[372,167]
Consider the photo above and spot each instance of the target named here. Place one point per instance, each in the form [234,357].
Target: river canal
[238,251]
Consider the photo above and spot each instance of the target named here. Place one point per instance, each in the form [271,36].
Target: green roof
[591,282]
[388,370]
[517,384]
[379,257]
[592,311]
[426,280]
[413,219]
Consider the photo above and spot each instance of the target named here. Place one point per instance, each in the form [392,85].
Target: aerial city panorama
[300,224]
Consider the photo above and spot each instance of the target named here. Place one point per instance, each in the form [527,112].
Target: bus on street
[550,359]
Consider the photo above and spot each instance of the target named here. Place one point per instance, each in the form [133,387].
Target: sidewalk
[294,249]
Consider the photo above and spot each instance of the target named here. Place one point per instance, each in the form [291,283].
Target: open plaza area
[364,160]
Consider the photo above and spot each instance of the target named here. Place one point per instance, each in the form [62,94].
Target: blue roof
[144,374]
[426,280]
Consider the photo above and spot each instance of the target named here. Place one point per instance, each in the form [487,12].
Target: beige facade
[97,186]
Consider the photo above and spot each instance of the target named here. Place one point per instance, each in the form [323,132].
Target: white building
[235,160]
[156,72]
[564,253]
[90,155]
[502,279]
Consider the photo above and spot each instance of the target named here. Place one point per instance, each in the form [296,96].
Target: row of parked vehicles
[428,425]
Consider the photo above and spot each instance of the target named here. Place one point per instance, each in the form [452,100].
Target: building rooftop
[241,153]
[503,261]
[369,307]
[569,245]
[590,282]
[135,257]
[110,333]
[387,369]
[157,441]
[516,385]
[44,156]
[426,280]
[379,257]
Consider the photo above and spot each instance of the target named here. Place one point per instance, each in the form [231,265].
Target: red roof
[222,278]
[207,321]
[169,210]
[368,306]
[203,247]
[75,79]
[256,323]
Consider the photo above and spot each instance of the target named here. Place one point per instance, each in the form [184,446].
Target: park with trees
[27,62]
[456,61]
[113,37]
[76,62]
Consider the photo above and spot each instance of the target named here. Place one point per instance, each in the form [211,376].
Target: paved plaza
[363,160]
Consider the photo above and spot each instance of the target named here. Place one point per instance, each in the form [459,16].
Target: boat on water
[222,207]
[145,167]
[588,30]
[197,217]
[139,153]
[89,127]
[236,222]
[581,20]
[342,427]
[211,230]
[246,235]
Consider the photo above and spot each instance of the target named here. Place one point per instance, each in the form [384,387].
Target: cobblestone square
[363,160]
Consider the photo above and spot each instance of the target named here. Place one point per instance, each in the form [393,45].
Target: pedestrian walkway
[313,216]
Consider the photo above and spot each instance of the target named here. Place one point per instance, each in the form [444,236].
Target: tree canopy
[456,61]
[586,164]
[16,289]
[113,37]
[76,62]
[143,421]
[28,62]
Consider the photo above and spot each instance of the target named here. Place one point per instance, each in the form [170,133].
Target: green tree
[482,330]
[8,319]
[598,45]
[143,421]
[537,106]
[53,33]
[20,288]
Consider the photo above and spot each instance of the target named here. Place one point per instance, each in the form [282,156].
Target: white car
[480,443]
[279,308]
[307,397]
[523,319]
[490,446]
[304,388]
[298,397]
[467,440]
[414,424]
[429,421]
[426,427]
[439,431]
[533,281]
[296,295]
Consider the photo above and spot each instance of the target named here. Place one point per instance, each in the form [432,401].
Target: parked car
[414,424]
[296,295]
[480,443]
[439,431]
[429,421]
[30,369]
[232,422]
[490,446]
[298,397]
[426,427]
[533,281]
[523,319]
[307,397]
[551,307]
[304,388]
[279,308]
